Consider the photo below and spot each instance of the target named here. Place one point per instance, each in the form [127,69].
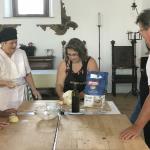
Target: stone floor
[124,102]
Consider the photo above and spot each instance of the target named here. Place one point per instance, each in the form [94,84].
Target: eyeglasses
[73,55]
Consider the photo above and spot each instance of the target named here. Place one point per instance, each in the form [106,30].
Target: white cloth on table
[12,69]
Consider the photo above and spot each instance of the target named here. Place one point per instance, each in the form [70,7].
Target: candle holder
[99,44]
[134,7]
[134,36]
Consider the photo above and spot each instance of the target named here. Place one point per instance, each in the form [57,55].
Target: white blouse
[148,69]
[16,67]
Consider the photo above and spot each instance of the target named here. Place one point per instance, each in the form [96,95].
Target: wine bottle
[75,100]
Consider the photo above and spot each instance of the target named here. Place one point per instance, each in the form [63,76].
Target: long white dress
[12,69]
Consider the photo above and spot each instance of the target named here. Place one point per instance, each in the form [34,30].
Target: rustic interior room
[108,31]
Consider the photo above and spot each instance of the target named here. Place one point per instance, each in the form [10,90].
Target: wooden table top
[76,132]
[96,132]
[30,133]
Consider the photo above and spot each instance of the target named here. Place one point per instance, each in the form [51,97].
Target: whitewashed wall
[116,16]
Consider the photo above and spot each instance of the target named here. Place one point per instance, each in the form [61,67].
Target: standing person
[143,20]
[144,90]
[14,72]
[136,110]
[74,67]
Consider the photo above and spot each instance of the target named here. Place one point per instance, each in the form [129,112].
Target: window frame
[16,14]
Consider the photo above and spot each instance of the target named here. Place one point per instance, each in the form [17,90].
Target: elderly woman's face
[9,46]
[73,55]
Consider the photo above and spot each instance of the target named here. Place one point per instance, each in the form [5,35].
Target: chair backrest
[122,56]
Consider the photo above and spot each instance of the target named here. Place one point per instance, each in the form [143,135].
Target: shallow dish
[47,111]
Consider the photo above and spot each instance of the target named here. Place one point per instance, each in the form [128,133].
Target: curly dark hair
[144,19]
[78,46]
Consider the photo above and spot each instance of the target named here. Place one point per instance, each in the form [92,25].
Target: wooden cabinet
[41,62]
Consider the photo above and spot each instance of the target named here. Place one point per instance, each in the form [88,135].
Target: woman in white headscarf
[15,72]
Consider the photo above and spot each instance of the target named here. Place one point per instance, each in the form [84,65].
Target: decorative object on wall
[134,7]
[30,49]
[2,26]
[134,35]
[49,52]
[66,23]
[99,26]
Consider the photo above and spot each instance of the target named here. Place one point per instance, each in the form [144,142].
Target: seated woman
[74,67]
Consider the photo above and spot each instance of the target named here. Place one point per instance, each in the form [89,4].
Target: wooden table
[96,132]
[30,133]
[76,132]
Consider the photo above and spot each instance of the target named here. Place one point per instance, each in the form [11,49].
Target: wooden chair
[123,57]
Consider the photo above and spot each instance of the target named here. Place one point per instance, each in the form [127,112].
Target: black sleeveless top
[78,78]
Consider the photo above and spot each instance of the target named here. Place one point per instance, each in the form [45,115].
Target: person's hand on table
[36,94]
[66,97]
[81,95]
[10,84]
[3,125]
[61,101]
[7,112]
[130,133]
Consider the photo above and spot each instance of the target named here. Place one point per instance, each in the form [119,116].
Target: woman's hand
[7,112]
[10,84]
[36,94]
[81,95]
[130,133]
[3,124]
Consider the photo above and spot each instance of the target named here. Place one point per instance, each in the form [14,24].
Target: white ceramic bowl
[47,111]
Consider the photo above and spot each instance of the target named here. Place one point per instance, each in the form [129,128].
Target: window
[30,8]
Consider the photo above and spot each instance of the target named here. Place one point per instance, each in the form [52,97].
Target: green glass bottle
[75,99]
